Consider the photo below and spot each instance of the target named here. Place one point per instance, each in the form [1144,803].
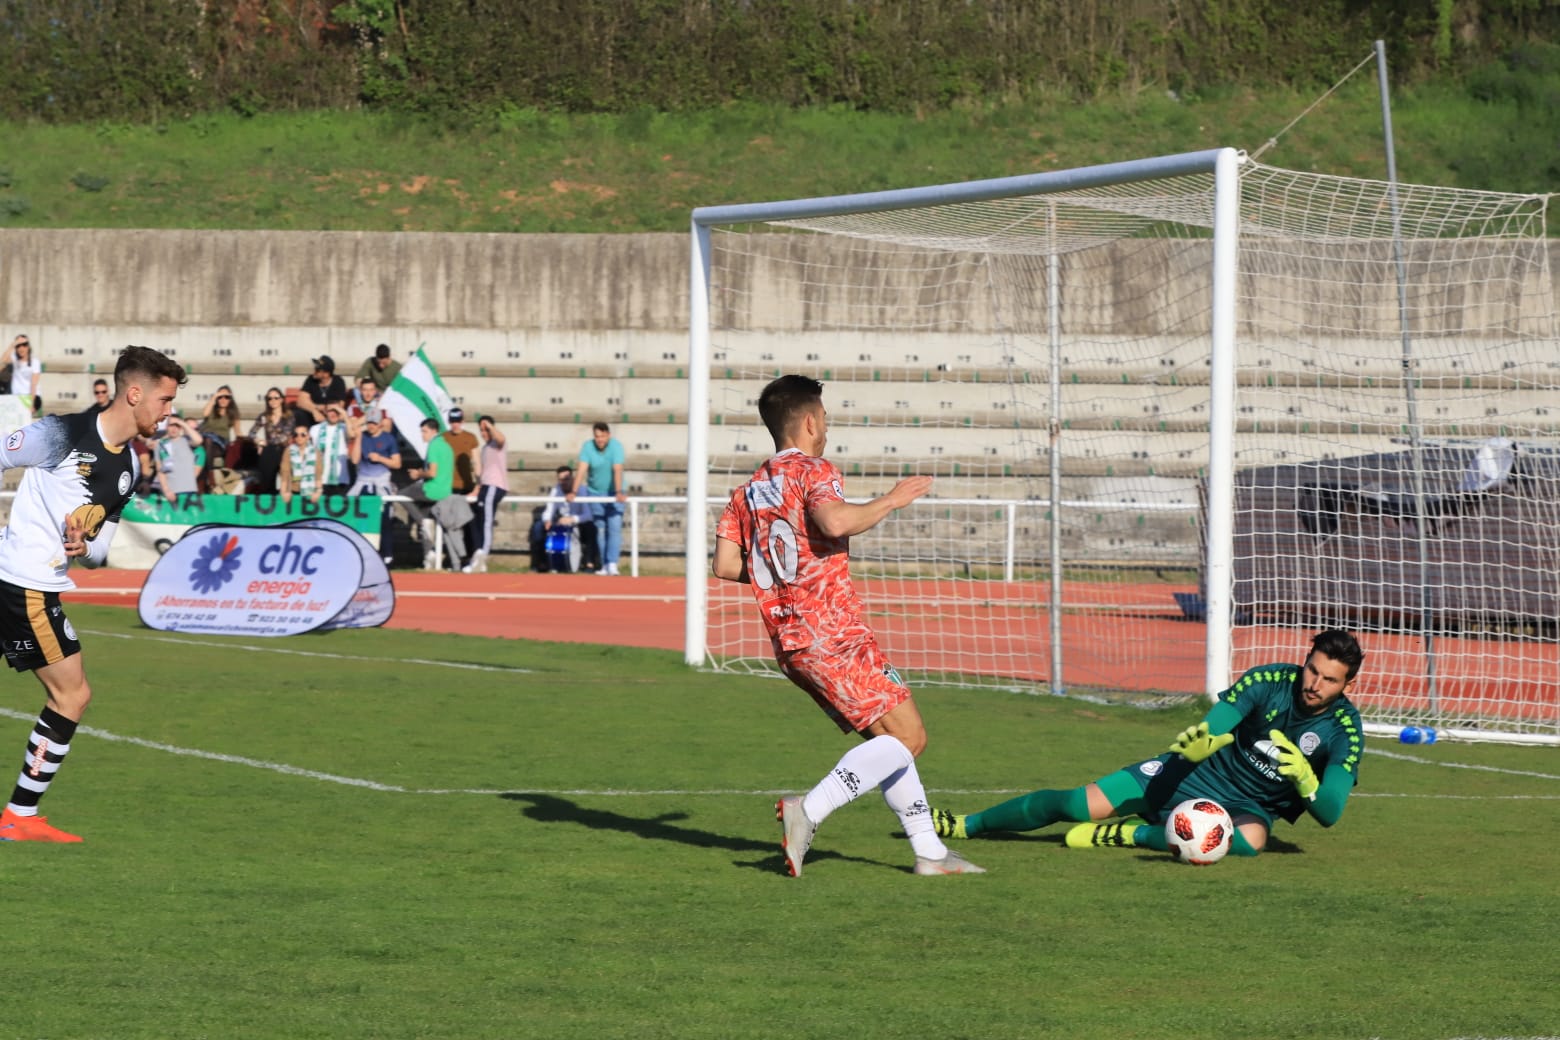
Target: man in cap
[377,455]
[319,389]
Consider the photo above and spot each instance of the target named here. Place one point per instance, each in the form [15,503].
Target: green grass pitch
[384,834]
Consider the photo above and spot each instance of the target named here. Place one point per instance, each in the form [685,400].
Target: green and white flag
[417,394]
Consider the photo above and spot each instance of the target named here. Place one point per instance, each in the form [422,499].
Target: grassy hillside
[529,171]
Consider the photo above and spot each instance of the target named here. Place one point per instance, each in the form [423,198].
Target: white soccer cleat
[953,863]
[796,832]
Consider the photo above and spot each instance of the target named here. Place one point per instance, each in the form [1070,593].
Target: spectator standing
[450,511]
[376,455]
[600,476]
[300,471]
[379,367]
[319,389]
[178,470]
[272,433]
[331,441]
[464,446]
[100,397]
[67,508]
[26,372]
[492,486]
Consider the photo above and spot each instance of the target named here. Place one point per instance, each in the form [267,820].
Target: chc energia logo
[216,563]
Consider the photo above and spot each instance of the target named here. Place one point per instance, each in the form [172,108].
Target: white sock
[860,769]
[905,795]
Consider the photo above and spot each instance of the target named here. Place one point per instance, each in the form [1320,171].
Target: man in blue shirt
[377,454]
[600,475]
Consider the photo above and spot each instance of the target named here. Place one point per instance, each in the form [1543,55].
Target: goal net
[1181,413]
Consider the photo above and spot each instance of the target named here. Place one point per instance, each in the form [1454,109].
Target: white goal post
[1181,411]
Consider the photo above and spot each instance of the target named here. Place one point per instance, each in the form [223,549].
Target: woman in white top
[25,372]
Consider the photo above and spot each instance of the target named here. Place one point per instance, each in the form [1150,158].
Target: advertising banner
[375,599]
[151,524]
[257,581]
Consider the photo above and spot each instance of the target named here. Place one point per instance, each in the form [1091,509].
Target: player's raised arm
[841,519]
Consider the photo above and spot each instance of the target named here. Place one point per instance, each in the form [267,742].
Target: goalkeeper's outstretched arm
[1328,804]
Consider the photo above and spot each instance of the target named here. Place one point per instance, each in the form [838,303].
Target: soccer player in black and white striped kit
[81,470]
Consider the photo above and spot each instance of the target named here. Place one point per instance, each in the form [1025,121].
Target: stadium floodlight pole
[1223,162]
[1410,401]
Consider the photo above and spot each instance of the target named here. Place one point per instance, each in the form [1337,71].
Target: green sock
[1029,811]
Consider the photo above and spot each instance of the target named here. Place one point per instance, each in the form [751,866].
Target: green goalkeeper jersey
[1265,697]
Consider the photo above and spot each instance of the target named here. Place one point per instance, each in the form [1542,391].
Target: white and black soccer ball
[1198,831]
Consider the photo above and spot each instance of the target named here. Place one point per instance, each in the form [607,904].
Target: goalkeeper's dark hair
[785,400]
[1340,646]
[145,363]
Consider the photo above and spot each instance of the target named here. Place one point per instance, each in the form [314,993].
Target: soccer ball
[1198,831]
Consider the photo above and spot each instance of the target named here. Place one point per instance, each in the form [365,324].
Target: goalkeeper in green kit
[1283,741]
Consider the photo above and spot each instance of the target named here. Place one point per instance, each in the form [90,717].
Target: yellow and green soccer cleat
[1102,835]
[948,825]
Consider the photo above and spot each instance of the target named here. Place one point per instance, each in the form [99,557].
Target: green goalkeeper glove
[1293,765]
[1194,744]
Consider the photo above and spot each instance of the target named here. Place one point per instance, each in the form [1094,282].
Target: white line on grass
[1461,765]
[374,785]
[466,666]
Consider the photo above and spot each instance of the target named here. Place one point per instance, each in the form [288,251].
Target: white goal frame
[1307,517]
[1222,163]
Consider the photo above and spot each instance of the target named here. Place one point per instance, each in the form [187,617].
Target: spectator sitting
[271,433]
[562,514]
[26,373]
[221,418]
[177,466]
[319,389]
[100,397]
[380,368]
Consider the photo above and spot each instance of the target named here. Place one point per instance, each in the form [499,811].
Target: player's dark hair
[146,363]
[785,400]
[603,427]
[430,424]
[1340,646]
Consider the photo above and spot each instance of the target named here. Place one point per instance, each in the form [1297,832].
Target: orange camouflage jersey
[800,577]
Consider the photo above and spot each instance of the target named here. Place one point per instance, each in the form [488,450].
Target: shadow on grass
[546,808]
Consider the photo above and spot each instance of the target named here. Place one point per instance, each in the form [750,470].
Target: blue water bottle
[1417,735]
